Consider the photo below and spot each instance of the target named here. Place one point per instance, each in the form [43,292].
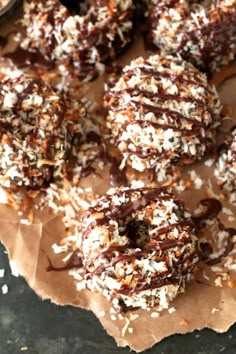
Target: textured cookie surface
[162,112]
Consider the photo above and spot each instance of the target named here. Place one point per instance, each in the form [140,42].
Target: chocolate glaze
[161,95]
[72,5]
[213,208]
[159,75]
[205,250]
[224,80]
[122,308]
[229,246]
[3,42]
[74,261]
[87,171]
[186,132]
[121,212]
[155,283]
[22,58]
[117,176]
[93,137]
[167,244]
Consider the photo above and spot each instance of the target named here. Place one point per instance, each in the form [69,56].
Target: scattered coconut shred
[4,289]
[14,272]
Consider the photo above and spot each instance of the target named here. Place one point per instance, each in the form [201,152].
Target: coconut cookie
[85,38]
[162,112]
[32,133]
[137,246]
[202,32]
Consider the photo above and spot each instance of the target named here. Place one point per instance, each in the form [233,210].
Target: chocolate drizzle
[72,5]
[229,245]
[3,42]
[213,208]
[74,261]
[22,58]
[114,212]
[117,175]
[155,283]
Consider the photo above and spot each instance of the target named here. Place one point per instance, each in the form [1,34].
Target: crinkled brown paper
[201,306]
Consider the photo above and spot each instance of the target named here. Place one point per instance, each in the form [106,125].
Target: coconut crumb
[171,310]
[228,211]
[197,181]
[155,314]
[2,273]
[120,316]
[4,289]
[125,328]
[59,249]
[209,162]
[216,269]
[214,310]
[102,313]
[133,317]
[25,222]
[205,276]
[218,282]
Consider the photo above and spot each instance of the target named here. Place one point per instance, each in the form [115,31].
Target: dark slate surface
[44,328]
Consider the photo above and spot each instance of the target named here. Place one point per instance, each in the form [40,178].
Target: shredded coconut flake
[4,289]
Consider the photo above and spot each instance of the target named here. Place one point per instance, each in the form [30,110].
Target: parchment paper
[202,305]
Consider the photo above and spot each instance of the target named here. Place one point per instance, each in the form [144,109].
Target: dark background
[44,328]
